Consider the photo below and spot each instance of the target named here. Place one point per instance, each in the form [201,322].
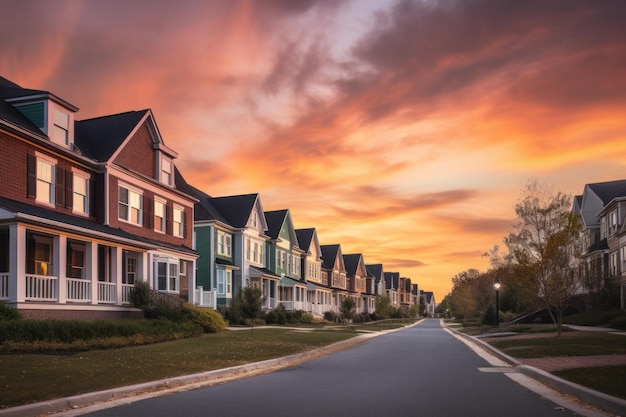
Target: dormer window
[166,171]
[61,127]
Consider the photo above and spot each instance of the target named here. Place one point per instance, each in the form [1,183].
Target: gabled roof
[376,270]
[14,92]
[204,210]
[275,220]
[305,238]
[329,255]
[392,280]
[101,137]
[236,209]
[429,296]
[607,191]
[352,261]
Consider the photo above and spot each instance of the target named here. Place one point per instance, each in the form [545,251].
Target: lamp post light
[496,285]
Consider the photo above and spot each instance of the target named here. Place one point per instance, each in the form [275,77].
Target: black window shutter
[168,219]
[31,181]
[148,212]
[60,187]
[69,189]
[184,220]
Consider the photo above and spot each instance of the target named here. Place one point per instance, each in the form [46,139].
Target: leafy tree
[544,251]
[248,304]
[384,309]
[348,309]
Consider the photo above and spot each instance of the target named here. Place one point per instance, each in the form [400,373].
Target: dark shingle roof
[607,191]
[275,220]
[99,138]
[375,270]
[204,208]
[329,254]
[351,262]
[392,279]
[305,238]
[236,209]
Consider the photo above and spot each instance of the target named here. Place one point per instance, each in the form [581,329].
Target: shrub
[210,320]
[141,295]
[307,318]
[331,316]
[8,313]
[618,323]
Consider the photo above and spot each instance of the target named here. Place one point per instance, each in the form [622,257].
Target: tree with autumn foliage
[544,253]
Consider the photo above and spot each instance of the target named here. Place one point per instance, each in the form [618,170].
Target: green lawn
[28,378]
[569,344]
[608,379]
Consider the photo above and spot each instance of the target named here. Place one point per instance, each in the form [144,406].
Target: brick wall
[80,314]
[138,154]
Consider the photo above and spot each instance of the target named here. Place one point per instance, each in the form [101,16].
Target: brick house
[87,208]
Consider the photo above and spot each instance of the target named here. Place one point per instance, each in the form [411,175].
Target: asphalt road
[418,371]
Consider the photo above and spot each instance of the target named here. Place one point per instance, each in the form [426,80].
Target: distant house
[334,269]
[602,208]
[245,214]
[214,242]
[319,294]
[87,209]
[377,272]
[392,281]
[429,301]
[284,259]
[358,277]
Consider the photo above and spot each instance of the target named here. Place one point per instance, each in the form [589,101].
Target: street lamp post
[496,285]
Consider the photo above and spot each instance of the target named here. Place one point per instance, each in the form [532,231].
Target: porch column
[191,276]
[17,263]
[59,267]
[142,268]
[91,269]
[116,273]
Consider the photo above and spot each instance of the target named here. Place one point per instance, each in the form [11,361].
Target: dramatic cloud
[402,130]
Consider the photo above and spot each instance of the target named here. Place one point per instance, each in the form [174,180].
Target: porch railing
[107,292]
[41,288]
[4,286]
[126,288]
[294,305]
[78,290]
[205,298]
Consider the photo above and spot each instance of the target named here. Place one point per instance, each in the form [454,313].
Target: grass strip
[608,379]
[28,378]
[569,344]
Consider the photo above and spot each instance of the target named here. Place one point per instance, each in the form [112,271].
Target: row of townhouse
[602,208]
[88,208]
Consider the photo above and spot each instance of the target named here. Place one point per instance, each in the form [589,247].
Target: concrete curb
[184,382]
[599,399]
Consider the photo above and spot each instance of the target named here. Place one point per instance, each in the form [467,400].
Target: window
[223,244]
[130,268]
[38,254]
[167,277]
[80,191]
[166,171]
[75,260]
[45,181]
[224,282]
[129,205]
[179,222]
[613,263]
[61,127]
[159,216]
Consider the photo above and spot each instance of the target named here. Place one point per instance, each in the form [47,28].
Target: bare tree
[543,247]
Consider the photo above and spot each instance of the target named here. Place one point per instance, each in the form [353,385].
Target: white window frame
[224,244]
[162,215]
[132,204]
[166,175]
[80,200]
[169,279]
[60,127]
[46,186]
[178,221]
[77,247]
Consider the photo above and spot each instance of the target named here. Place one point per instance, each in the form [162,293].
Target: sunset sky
[402,130]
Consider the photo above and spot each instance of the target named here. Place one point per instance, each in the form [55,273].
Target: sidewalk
[540,368]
